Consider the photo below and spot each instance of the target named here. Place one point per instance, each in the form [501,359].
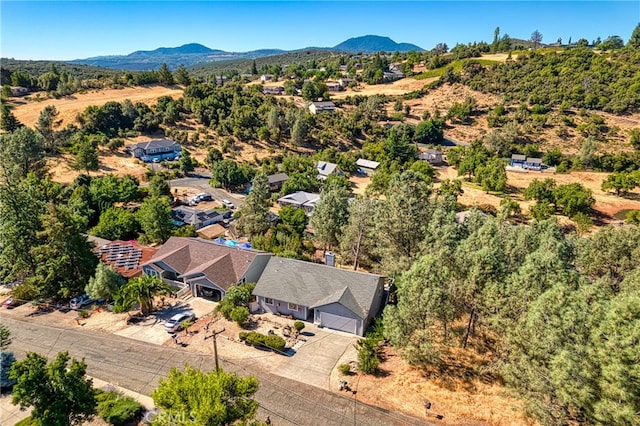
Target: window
[152,272]
[293,307]
[268,301]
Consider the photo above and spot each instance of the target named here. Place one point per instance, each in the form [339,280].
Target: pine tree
[330,215]
[253,213]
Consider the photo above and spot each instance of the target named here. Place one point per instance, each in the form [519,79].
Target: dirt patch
[359,184]
[401,387]
[120,164]
[69,107]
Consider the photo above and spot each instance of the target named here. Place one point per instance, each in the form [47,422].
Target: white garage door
[338,322]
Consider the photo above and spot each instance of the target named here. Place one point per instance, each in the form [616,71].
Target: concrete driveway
[152,329]
[317,357]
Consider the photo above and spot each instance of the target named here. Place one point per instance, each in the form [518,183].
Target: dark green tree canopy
[58,392]
[217,398]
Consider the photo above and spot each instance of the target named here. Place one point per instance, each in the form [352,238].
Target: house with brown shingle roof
[207,268]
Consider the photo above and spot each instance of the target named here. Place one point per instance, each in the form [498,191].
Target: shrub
[240,315]
[24,422]
[271,341]
[243,336]
[345,369]
[255,339]
[84,313]
[298,325]
[275,342]
[368,355]
[225,309]
[25,291]
[6,361]
[633,217]
[116,408]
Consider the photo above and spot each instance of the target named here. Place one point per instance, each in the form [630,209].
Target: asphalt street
[138,366]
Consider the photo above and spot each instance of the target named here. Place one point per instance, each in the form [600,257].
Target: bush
[271,341]
[116,408]
[368,355]
[275,342]
[24,422]
[6,361]
[25,291]
[298,325]
[255,339]
[345,369]
[224,309]
[84,313]
[240,315]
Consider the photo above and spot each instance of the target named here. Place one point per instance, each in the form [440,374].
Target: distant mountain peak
[185,49]
[375,43]
[194,53]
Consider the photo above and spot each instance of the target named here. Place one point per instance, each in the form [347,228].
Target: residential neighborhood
[269,222]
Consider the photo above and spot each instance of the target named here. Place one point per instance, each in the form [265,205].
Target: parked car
[80,301]
[11,303]
[175,322]
[228,204]
[204,197]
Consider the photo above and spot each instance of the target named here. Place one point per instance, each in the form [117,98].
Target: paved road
[138,366]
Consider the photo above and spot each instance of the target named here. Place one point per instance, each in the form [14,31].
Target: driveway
[200,183]
[317,357]
[152,329]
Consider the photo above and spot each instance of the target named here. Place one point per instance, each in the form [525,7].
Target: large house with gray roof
[184,215]
[157,150]
[300,200]
[206,268]
[330,297]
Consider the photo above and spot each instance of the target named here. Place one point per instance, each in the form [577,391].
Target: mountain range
[194,53]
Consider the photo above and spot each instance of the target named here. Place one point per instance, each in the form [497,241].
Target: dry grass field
[27,111]
[462,401]
[607,204]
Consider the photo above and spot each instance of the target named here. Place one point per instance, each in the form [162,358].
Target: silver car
[175,322]
[80,301]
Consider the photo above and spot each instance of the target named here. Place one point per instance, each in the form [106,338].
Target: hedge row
[271,341]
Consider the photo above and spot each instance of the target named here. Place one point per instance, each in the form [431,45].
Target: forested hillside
[577,77]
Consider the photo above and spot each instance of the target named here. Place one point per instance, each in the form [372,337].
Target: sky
[65,30]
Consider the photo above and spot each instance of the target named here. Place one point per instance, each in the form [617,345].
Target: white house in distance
[367,166]
[326,169]
[318,107]
[331,297]
[433,156]
[300,200]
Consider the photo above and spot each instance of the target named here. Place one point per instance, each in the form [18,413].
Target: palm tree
[142,290]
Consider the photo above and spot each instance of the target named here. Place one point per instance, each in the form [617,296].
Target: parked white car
[175,322]
[228,204]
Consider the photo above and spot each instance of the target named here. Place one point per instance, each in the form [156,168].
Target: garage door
[338,322]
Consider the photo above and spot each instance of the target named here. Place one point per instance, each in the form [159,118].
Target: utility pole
[215,347]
